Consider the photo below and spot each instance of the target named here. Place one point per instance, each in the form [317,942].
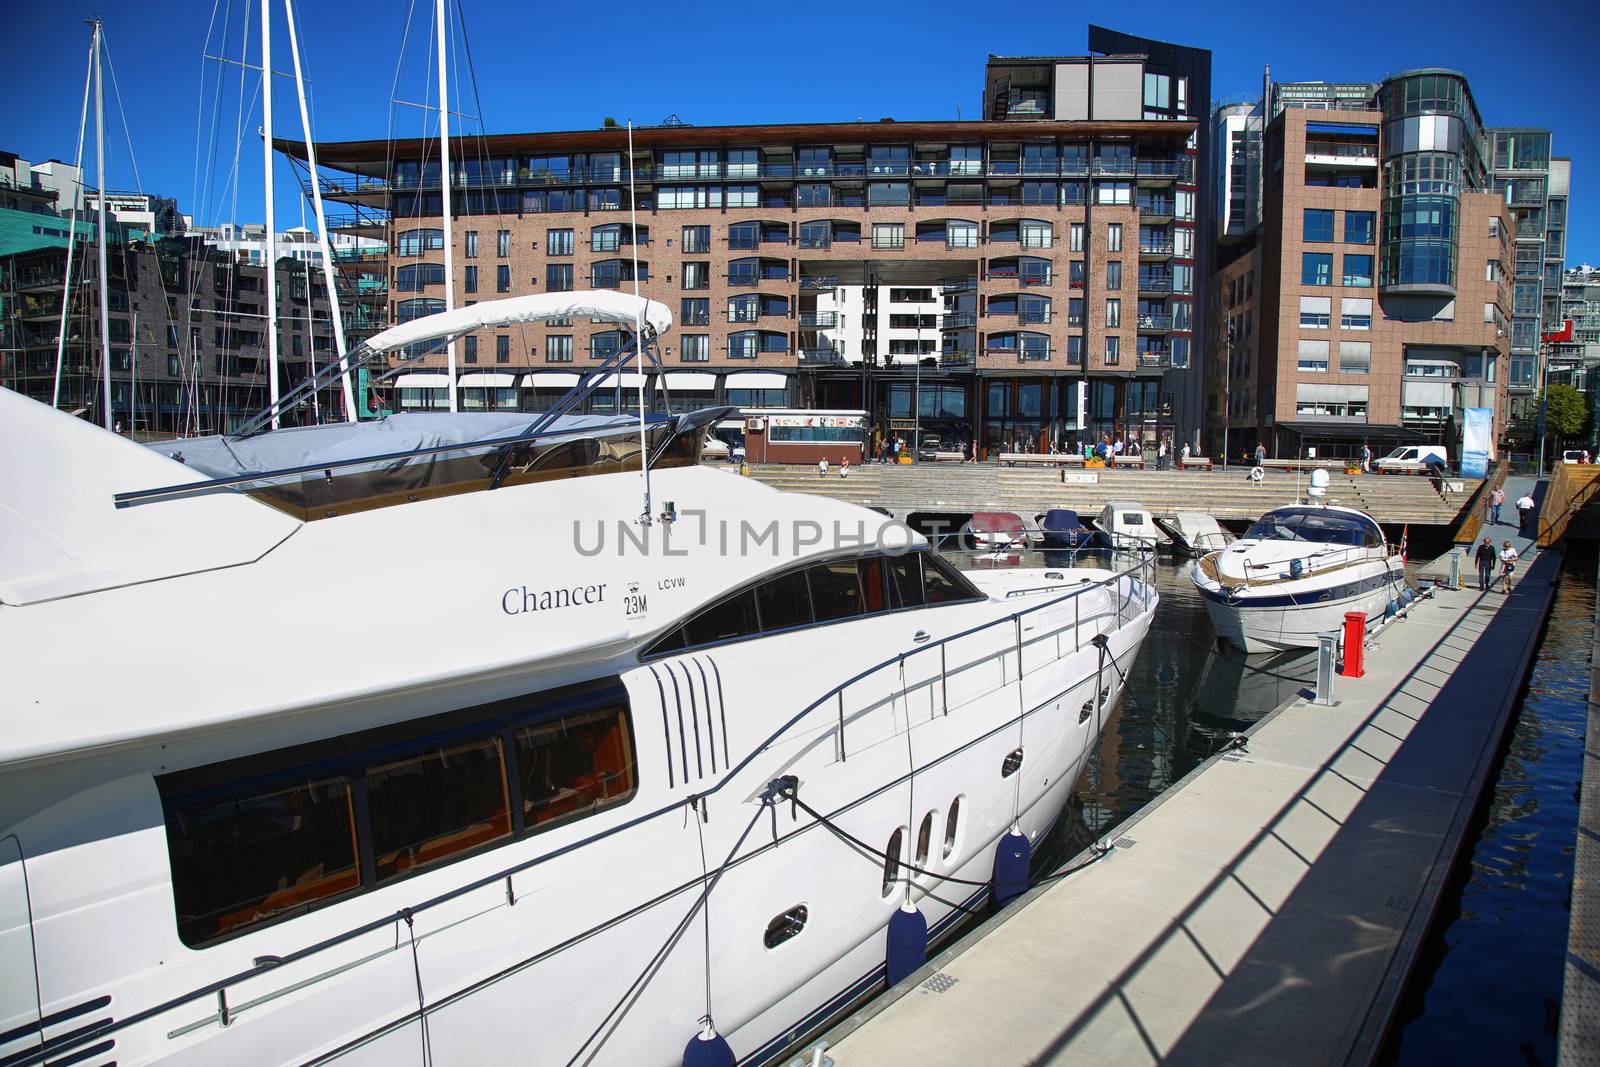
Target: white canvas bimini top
[622,309]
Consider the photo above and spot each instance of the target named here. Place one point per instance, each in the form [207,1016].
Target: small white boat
[1127,524]
[1195,533]
[1295,574]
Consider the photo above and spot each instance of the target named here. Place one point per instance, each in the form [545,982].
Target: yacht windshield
[1317,527]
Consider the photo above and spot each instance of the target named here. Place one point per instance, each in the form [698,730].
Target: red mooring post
[1355,636]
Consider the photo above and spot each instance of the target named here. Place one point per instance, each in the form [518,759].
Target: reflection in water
[1186,696]
[1488,985]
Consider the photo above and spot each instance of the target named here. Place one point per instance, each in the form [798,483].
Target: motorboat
[1127,524]
[1295,574]
[993,531]
[500,736]
[1194,533]
[1062,528]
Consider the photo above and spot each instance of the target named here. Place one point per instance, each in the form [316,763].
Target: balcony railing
[1155,322]
[1341,149]
[818,320]
[1155,247]
[744,314]
[1156,208]
[1036,240]
[961,240]
[821,357]
[1113,168]
[958,360]
[952,288]
[893,244]
[1149,284]
[958,320]
[1155,359]
[1162,168]
[1033,315]
[816,283]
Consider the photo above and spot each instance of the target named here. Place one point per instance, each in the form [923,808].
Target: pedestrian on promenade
[1525,506]
[1508,563]
[1183,457]
[1366,458]
[1485,557]
[1496,499]
[1261,454]
[1161,455]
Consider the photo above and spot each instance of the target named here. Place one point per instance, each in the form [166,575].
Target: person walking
[1496,499]
[1183,456]
[1366,458]
[1508,563]
[1485,557]
[1261,454]
[1161,455]
[1525,506]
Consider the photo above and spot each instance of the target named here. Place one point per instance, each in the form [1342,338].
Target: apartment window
[1075,237]
[1358,271]
[743,196]
[472,244]
[472,280]
[1491,270]
[558,242]
[888,235]
[1315,312]
[1114,275]
[1313,357]
[696,311]
[697,238]
[810,195]
[605,345]
[412,277]
[1113,351]
[1113,193]
[408,243]
[1318,226]
[1360,227]
[1036,234]
[502,243]
[1356,314]
[696,347]
[1114,237]
[502,279]
[1113,313]
[1355,357]
[1075,350]
[697,275]
[558,277]
[470,350]
[888,194]
[1316,268]
[558,348]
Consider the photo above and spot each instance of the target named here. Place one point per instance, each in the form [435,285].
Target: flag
[1406,530]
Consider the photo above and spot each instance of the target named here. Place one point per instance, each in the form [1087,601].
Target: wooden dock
[1268,908]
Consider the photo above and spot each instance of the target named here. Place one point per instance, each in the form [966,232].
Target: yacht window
[941,584]
[785,602]
[924,841]
[905,581]
[1316,526]
[835,590]
[891,860]
[574,766]
[873,595]
[428,805]
[952,823]
[246,854]
[725,620]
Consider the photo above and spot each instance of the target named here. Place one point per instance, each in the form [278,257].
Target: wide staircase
[1227,495]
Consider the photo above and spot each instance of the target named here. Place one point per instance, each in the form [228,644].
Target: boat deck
[1269,907]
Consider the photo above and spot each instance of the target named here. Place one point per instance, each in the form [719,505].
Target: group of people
[1486,557]
[1525,506]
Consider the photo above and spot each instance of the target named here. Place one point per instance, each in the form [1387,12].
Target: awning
[551,380]
[1347,429]
[757,380]
[422,381]
[1329,393]
[731,424]
[629,380]
[692,382]
[493,379]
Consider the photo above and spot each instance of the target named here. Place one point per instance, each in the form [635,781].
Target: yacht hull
[1273,619]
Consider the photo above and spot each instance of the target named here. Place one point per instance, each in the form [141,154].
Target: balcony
[818,320]
[958,320]
[954,241]
[816,283]
[1339,153]
[821,357]
[1155,284]
[1151,208]
[969,285]
[1155,246]
[1113,168]
[1154,323]
[1160,171]
[1033,315]
[957,360]
[1155,358]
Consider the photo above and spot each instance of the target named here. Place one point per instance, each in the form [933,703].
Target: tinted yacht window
[835,590]
[727,619]
[905,581]
[785,601]
[426,806]
[941,584]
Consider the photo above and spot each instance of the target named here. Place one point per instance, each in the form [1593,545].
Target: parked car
[1572,455]
[929,447]
[1414,458]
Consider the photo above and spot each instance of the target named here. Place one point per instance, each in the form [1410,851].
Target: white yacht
[1295,574]
[427,746]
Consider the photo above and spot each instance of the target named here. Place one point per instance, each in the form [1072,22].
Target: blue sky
[555,66]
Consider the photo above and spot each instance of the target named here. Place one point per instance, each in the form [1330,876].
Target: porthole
[891,860]
[952,825]
[786,926]
[1011,764]
[924,841]
[1085,711]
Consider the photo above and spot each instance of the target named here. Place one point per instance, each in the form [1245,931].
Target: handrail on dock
[1574,486]
[1477,505]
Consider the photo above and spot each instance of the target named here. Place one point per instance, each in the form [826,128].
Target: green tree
[1564,410]
[609,123]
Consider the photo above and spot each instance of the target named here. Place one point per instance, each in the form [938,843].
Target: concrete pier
[1268,908]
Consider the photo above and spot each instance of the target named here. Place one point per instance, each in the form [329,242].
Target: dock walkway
[1268,908]
[1580,997]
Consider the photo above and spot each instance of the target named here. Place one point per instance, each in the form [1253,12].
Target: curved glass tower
[1432,152]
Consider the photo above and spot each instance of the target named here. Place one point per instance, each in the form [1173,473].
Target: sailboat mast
[322,226]
[72,230]
[100,181]
[272,233]
[444,185]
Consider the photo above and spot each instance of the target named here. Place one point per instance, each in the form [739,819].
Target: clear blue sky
[565,66]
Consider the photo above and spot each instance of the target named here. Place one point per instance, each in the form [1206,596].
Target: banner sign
[1477,435]
[850,421]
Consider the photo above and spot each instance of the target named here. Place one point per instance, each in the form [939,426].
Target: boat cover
[602,305]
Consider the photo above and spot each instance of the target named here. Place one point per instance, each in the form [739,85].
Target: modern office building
[1573,338]
[1019,279]
[1524,173]
[249,243]
[1370,301]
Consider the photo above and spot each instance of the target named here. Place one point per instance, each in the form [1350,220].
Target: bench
[1302,464]
[1127,460]
[1060,459]
[926,456]
[1195,463]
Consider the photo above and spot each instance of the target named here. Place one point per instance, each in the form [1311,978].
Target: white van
[1411,458]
